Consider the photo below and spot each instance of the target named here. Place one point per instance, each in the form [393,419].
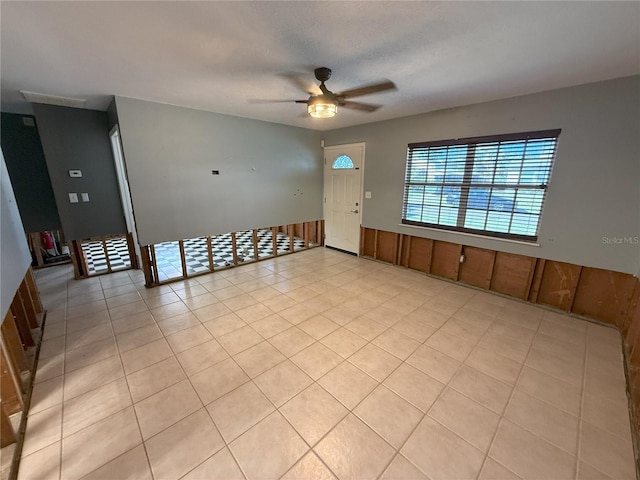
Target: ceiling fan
[326,103]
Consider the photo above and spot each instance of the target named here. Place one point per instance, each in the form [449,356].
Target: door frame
[123,186]
[360,194]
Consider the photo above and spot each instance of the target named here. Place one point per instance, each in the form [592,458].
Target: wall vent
[34,97]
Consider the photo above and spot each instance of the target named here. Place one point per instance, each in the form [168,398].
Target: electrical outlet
[73,198]
[75,173]
[367,194]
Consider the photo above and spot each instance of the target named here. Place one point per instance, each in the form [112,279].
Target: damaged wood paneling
[513,274]
[386,246]
[537,280]
[611,297]
[368,242]
[632,311]
[559,284]
[419,253]
[445,259]
[477,268]
[604,294]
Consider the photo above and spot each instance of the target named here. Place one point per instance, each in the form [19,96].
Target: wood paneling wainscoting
[603,295]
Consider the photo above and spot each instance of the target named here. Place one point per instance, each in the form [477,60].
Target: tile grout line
[350,411]
[135,413]
[277,409]
[440,394]
[128,389]
[508,403]
[64,372]
[369,342]
[585,360]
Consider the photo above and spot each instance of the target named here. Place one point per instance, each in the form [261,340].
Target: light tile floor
[319,365]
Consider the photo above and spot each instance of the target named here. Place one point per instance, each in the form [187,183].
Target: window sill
[484,237]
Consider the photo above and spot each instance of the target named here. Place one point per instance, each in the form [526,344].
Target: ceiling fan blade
[301,81]
[267,100]
[365,107]
[368,89]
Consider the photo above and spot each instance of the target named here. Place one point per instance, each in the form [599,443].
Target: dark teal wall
[112,114]
[28,172]
[78,139]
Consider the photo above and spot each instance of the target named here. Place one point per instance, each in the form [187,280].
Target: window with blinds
[493,185]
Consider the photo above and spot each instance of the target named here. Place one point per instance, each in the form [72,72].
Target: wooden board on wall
[559,284]
[633,311]
[445,259]
[312,232]
[368,242]
[386,247]
[477,267]
[419,253]
[11,396]
[512,274]
[604,294]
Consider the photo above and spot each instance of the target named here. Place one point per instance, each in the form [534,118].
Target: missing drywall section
[185,258]
[602,295]
[591,293]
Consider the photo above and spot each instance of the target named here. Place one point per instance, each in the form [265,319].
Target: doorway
[343,173]
[123,185]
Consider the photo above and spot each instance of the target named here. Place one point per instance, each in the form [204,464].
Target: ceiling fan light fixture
[322,108]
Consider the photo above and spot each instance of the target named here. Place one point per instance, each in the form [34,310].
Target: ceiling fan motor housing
[322,74]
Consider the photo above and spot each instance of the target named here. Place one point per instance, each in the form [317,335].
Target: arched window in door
[342,162]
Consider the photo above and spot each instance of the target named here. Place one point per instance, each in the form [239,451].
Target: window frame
[467,182]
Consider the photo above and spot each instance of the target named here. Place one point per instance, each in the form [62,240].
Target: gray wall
[594,190]
[112,114]
[77,139]
[270,174]
[13,247]
[29,175]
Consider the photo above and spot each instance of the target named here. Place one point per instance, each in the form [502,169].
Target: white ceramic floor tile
[319,365]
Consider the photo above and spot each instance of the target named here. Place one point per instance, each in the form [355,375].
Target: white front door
[343,171]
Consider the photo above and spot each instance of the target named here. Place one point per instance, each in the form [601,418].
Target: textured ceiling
[221,56]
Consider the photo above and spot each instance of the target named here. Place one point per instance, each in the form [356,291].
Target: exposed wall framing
[78,257]
[19,335]
[311,234]
[604,295]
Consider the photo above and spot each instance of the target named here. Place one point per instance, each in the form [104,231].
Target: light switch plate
[367,194]
[85,197]
[75,173]
[73,197]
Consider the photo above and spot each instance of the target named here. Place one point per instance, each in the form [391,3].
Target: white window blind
[493,185]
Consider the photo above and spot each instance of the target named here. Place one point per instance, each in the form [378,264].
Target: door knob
[354,211]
